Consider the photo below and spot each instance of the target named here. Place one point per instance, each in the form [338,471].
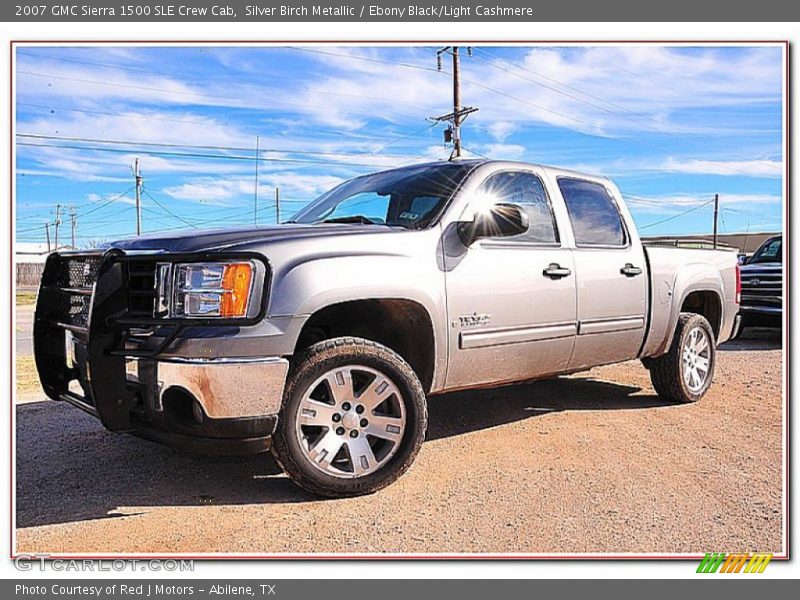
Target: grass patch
[27,376]
[26,298]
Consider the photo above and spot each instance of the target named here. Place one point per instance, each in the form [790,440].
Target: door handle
[630,271]
[556,271]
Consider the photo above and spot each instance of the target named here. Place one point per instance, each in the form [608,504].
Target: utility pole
[47,233]
[455,118]
[58,222]
[716,213]
[277,206]
[138,178]
[255,198]
[456,103]
[74,223]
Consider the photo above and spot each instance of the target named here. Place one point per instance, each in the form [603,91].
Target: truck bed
[712,268]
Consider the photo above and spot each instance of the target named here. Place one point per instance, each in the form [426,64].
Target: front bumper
[750,309]
[223,389]
[94,352]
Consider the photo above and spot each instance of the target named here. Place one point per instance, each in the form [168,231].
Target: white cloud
[752,168]
[604,90]
[225,191]
[620,91]
[500,130]
[672,203]
[627,166]
[503,151]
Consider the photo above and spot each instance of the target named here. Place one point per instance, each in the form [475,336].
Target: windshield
[769,252]
[410,197]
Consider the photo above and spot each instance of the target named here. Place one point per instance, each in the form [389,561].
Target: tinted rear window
[593,213]
[769,252]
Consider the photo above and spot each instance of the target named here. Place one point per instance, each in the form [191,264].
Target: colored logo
[720,562]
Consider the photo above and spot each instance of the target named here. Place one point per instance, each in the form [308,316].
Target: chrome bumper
[224,388]
[761,310]
[737,324]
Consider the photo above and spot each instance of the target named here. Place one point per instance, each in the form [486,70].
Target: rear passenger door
[611,276]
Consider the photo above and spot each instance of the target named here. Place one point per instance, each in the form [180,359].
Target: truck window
[409,197]
[594,215]
[769,252]
[370,204]
[526,191]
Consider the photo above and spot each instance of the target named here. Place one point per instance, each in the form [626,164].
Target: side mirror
[502,220]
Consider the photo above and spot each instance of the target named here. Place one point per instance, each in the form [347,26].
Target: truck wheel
[353,418]
[685,372]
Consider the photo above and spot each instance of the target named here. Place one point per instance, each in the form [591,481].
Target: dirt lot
[589,463]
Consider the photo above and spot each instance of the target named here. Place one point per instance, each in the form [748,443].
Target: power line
[148,117]
[551,111]
[288,106]
[109,201]
[686,212]
[39,55]
[423,68]
[40,136]
[27,229]
[198,155]
[420,67]
[364,58]
[634,118]
[173,75]
[113,114]
[167,210]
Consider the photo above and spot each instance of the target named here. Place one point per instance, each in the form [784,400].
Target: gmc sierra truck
[323,338]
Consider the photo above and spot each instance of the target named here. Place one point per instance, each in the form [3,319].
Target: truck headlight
[212,289]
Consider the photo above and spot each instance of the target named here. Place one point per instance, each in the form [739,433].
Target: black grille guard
[110,334]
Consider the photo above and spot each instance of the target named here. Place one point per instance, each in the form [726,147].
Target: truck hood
[221,239]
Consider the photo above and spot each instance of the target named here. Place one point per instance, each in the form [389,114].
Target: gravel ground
[588,463]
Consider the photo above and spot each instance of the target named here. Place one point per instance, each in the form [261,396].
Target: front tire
[685,372]
[353,418]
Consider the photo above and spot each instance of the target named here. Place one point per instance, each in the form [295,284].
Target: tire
[353,418]
[671,373]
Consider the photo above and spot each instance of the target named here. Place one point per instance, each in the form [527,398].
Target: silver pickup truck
[324,338]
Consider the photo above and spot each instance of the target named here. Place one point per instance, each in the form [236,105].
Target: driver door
[511,300]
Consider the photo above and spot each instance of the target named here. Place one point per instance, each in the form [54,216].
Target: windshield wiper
[360,219]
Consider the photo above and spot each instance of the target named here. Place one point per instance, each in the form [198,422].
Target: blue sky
[671,125]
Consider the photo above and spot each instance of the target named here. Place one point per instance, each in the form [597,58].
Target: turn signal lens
[236,289]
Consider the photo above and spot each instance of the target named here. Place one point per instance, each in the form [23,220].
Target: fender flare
[692,278]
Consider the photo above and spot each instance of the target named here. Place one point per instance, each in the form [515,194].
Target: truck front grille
[762,287]
[141,288]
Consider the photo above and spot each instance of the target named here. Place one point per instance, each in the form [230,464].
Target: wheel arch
[709,303]
[401,324]
[697,288]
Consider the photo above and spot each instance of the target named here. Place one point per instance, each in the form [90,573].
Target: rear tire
[685,372]
[353,418]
